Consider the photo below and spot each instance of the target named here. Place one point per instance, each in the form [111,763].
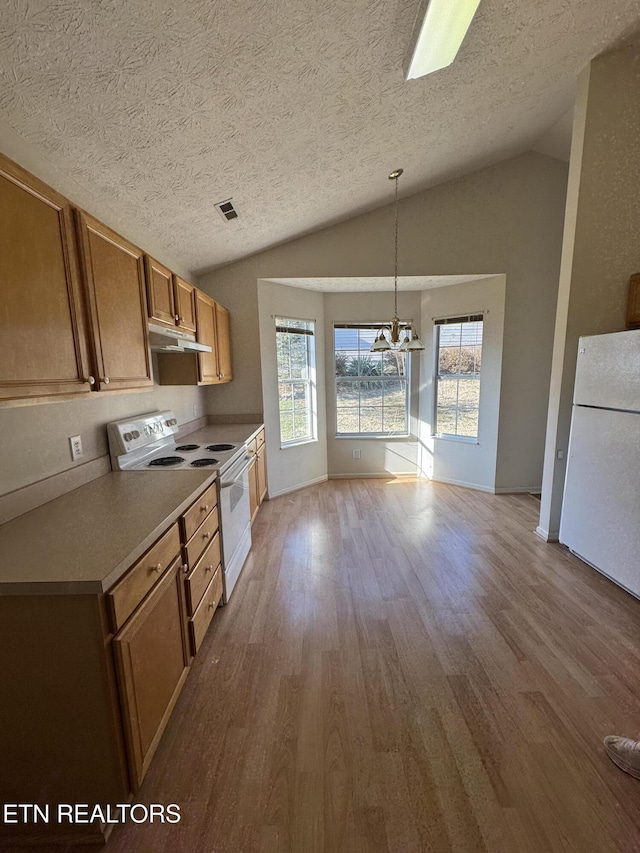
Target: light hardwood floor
[404,666]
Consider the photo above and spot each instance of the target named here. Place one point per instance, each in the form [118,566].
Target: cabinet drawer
[127,594]
[202,573]
[202,537]
[204,614]
[196,514]
[260,439]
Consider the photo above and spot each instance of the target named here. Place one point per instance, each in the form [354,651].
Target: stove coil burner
[166,461]
[204,463]
[214,447]
[184,447]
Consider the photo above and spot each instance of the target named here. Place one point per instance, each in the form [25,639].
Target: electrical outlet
[356,453]
[75,442]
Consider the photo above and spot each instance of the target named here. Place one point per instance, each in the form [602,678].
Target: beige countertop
[219,433]
[83,541]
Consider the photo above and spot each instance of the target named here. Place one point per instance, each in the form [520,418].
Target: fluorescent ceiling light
[440,35]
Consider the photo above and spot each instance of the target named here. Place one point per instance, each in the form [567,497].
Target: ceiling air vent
[227,210]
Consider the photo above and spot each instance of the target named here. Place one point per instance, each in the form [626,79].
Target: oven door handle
[234,475]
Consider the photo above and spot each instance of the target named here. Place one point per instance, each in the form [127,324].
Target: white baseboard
[548,536]
[475,486]
[380,475]
[297,487]
[518,490]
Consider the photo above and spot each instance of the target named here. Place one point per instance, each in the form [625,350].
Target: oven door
[235,519]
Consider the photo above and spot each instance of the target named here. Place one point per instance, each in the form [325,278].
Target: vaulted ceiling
[297,109]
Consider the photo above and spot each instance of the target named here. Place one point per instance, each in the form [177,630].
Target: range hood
[166,339]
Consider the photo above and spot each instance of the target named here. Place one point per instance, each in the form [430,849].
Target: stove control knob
[135,433]
[128,436]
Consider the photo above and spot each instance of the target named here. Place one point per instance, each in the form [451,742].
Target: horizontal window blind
[470,318]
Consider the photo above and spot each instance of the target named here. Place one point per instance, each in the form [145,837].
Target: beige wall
[601,246]
[450,460]
[506,219]
[35,439]
[299,465]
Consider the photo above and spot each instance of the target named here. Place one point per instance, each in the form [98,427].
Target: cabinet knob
[206,535]
[208,568]
[177,317]
[91,380]
[157,568]
[182,319]
[204,508]
[105,380]
[211,605]
[185,568]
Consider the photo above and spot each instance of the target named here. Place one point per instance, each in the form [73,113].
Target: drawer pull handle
[185,568]
[204,508]
[206,535]
[157,568]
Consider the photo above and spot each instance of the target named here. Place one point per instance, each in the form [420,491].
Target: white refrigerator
[600,519]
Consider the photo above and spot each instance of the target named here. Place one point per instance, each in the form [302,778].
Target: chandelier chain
[395,270]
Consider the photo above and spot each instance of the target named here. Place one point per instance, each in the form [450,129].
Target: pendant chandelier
[395,328]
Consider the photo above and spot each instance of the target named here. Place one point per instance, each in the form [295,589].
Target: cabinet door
[160,292]
[152,658]
[113,271]
[223,337]
[185,302]
[633,305]
[43,340]
[206,334]
[261,468]
[254,501]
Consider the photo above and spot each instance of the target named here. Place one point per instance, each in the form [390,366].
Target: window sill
[298,443]
[368,436]
[464,439]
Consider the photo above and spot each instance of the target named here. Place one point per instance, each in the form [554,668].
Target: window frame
[438,323]
[387,436]
[310,381]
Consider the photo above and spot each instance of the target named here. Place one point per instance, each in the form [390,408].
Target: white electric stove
[147,443]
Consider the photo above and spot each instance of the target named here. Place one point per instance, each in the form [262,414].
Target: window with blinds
[372,389]
[295,350]
[457,379]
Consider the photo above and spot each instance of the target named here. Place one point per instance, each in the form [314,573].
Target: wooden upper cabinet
[160,292]
[113,272]
[43,350]
[206,334]
[185,302]
[223,342]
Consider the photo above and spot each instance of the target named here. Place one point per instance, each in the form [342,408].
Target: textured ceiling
[295,108]
[364,284]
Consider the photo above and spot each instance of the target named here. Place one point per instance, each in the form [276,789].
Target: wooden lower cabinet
[155,633]
[633,304]
[203,563]
[61,733]
[254,503]
[257,473]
